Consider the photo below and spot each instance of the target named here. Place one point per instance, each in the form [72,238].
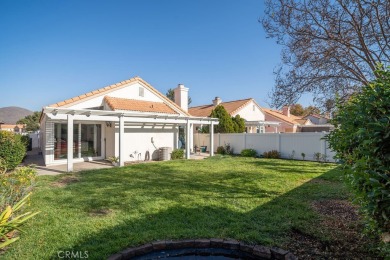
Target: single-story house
[130,120]
[16,128]
[289,123]
[248,109]
[318,119]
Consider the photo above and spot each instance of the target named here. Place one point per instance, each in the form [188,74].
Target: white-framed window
[261,129]
[254,108]
[141,91]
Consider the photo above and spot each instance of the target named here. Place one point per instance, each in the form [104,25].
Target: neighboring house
[318,119]
[320,124]
[288,122]
[248,109]
[130,120]
[19,128]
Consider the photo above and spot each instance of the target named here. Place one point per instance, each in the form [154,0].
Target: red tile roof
[295,120]
[108,89]
[138,105]
[230,106]
[9,126]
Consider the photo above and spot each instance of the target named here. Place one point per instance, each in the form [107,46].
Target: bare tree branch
[330,47]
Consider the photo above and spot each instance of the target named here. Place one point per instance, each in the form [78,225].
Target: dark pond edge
[253,251]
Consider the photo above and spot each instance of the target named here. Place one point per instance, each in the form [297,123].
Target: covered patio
[123,120]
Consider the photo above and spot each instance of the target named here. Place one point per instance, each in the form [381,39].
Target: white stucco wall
[251,112]
[139,140]
[130,92]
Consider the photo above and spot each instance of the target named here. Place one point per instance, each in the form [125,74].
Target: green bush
[9,222]
[221,150]
[361,140]
[15,188]
[225,124]
[177,154]
[248,153]
[12,149]
[16,184]
[272,154]
[228,149]
[26,140]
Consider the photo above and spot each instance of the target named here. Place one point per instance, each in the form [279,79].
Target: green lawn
[105,211]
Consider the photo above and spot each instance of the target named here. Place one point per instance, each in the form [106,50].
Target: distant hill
[9,115]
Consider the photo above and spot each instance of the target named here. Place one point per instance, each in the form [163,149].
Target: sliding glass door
[87,140]
[90,140]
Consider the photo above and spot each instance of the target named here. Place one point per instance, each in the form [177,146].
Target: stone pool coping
[257,251]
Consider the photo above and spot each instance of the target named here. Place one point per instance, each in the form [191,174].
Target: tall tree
[312,110]
[297,110]
[31,121]
[171,95]
[225,121]
[330,47]
[238,124]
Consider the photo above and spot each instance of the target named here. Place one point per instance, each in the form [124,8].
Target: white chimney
[286,111]
[181,96]
[217,101]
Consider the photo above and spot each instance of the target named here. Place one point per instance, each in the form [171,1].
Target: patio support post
[121,140]
[175,137]
[211,139]
[188,141]
[69,144]
[192,137]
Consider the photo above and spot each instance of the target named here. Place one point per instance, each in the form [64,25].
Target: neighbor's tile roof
[318,116]
[108,89]
[302,121]
[138,105]
[279,114]
[231,107]
[8,126]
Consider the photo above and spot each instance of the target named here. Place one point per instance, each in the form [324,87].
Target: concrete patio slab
[35,158]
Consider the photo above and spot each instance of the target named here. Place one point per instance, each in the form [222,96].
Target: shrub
[221,150]
[249,153]
[10,223]
[15,188]
[361,140]
[15,185]
[228,149]
[177,154]
[12,149]
[25,139]
[292,155]
[225,124]
[317,157]
[303,156]
[272,154]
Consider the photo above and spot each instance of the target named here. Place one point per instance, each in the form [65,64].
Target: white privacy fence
[290,145]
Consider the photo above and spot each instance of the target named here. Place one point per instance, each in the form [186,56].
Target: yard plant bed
[284,203]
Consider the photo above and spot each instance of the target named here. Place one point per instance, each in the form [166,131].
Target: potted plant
[114,160]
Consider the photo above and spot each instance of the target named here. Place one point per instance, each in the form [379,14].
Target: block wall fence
[286,143]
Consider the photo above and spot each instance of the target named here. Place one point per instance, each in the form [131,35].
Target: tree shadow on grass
[269,223]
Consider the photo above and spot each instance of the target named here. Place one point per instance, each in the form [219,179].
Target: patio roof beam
[182,121]
[103,115]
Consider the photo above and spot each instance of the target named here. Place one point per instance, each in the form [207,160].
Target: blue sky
[54,50]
